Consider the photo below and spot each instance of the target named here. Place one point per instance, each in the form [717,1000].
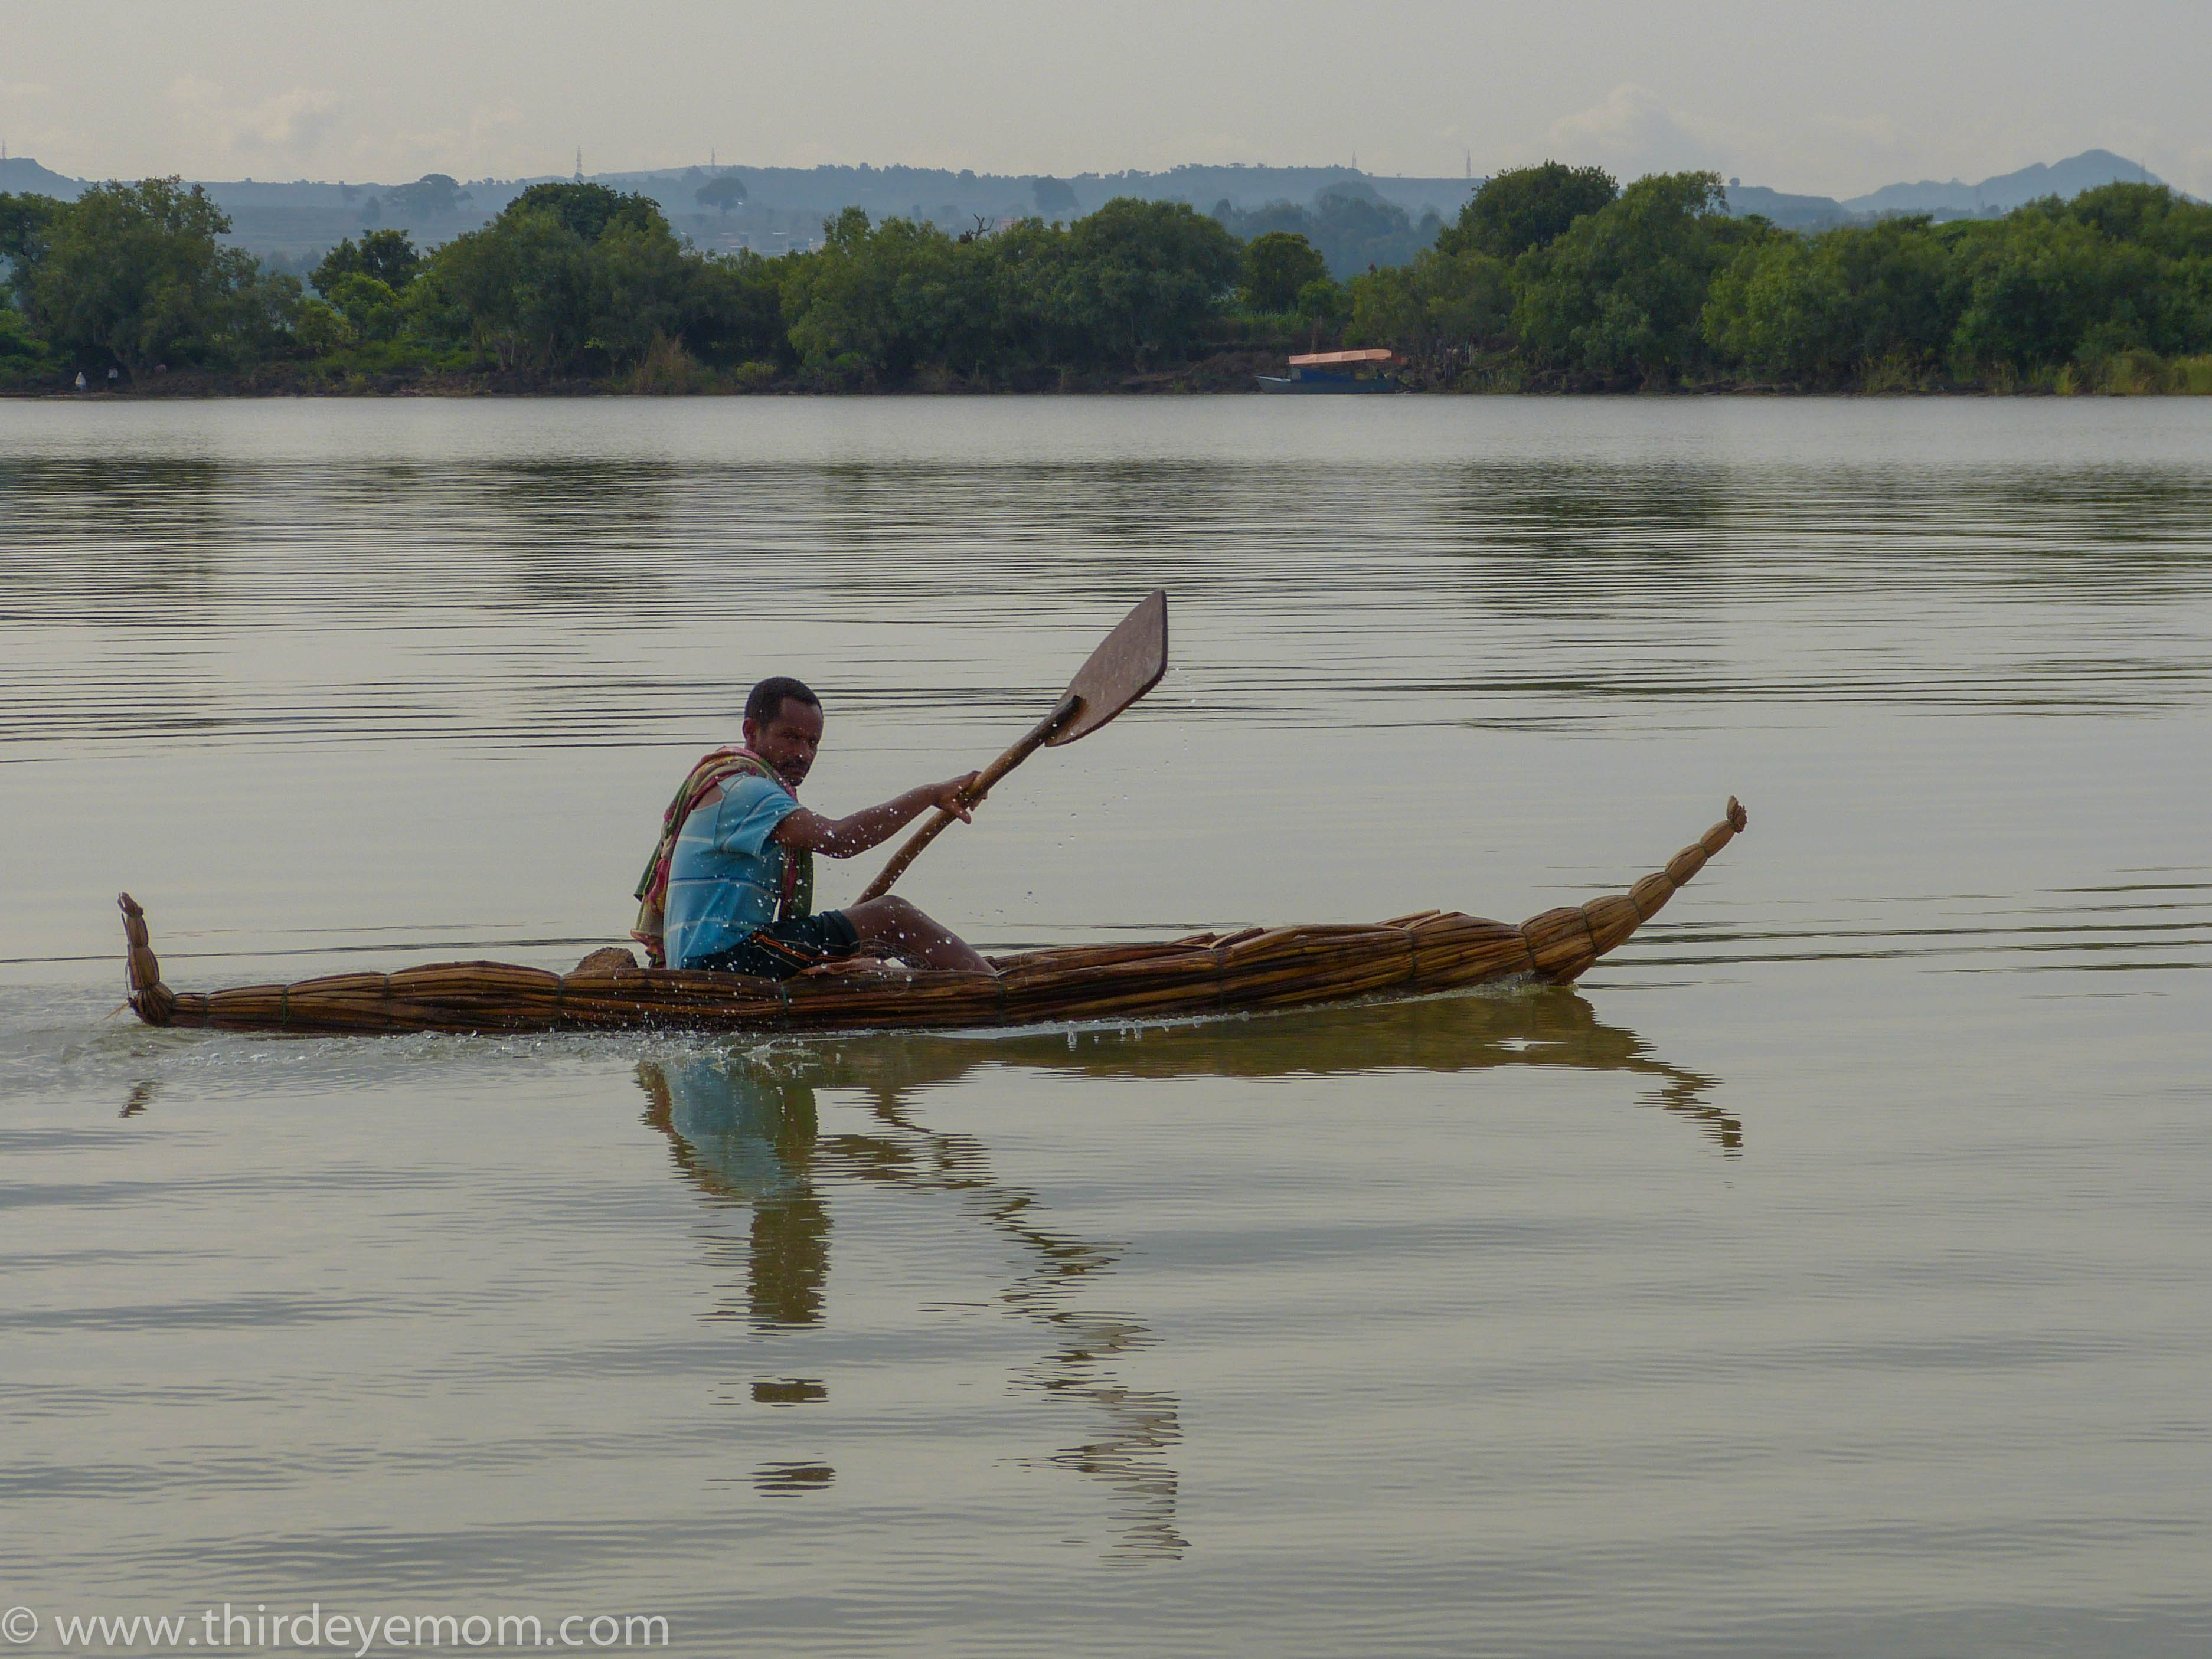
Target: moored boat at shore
[1332,372]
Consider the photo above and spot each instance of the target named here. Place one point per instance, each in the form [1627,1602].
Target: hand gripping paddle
[1128,663]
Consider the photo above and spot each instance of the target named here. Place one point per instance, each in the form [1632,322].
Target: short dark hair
[766,700]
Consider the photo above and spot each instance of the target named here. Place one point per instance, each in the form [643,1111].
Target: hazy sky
[1831,96]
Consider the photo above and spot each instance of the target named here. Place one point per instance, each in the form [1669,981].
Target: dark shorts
[783,948]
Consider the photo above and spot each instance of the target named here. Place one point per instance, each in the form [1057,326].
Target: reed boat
[1257,969]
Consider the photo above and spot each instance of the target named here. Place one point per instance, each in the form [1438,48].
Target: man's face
[789,742]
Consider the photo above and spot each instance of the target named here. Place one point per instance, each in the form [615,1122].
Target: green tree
[1143,277]
[734,312]
[883,302]
[519,288]
[134,274]
[321,328]
[1821,311]
[1525,208]
[1026,272]
[587,210]
[842,299]
[1621,291]
[21,219]
[2173,294]
[371,306]
[2040,287]
[1324,304]
[1130,285]
[723,192]
[2151,216]
[23,355]
[389,256]
[1440,299]
[640,290]
[2120,273]
[568,277]
[1778,310]
[1467,298]
[1276,266]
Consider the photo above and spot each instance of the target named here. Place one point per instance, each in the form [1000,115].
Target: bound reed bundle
[150,1000]
[1256,968]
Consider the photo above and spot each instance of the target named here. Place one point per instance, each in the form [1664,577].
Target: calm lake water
[1827,1274]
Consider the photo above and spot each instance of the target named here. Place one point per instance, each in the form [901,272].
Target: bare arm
[841,838]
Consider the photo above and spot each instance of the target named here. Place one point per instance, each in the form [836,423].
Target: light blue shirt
[727,876]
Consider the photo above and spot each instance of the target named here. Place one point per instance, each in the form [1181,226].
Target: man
[739,878]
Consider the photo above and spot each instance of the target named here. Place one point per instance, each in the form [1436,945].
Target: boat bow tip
[1564,943]
[150,1000]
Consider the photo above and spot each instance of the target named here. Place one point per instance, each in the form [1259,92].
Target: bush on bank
[1552,278]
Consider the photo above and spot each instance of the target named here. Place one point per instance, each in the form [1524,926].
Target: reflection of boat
[1332,372]
[1440,1034]
[744,1131]
[743,1128]
[1206,973]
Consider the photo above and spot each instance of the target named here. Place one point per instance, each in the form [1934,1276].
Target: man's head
[783,726]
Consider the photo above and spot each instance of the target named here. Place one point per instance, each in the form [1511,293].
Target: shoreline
[594,390]
[1221,374]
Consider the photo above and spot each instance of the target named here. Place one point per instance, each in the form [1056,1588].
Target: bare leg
[898,929]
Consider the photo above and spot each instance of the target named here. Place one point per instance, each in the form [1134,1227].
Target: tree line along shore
[1553,279]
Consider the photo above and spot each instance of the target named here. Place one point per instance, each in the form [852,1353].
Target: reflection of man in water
[740,1134]
[740,882]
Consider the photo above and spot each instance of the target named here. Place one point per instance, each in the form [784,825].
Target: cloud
[292,124]
[1634,132]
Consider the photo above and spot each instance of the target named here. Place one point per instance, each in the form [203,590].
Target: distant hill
[1791,212]
[1955,200]
[22,176]
[2008,190]
[293,221]
[884,191]
[783,208]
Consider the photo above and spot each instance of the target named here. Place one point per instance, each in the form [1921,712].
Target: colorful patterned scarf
[711,772]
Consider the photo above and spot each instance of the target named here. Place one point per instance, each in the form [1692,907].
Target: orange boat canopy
[1315,358]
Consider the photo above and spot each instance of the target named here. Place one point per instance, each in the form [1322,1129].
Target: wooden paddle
[1128,663]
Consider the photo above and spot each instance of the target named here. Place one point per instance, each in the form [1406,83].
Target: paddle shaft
[1062,712]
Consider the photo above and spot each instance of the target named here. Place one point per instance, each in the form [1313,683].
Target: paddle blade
[1128,663]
